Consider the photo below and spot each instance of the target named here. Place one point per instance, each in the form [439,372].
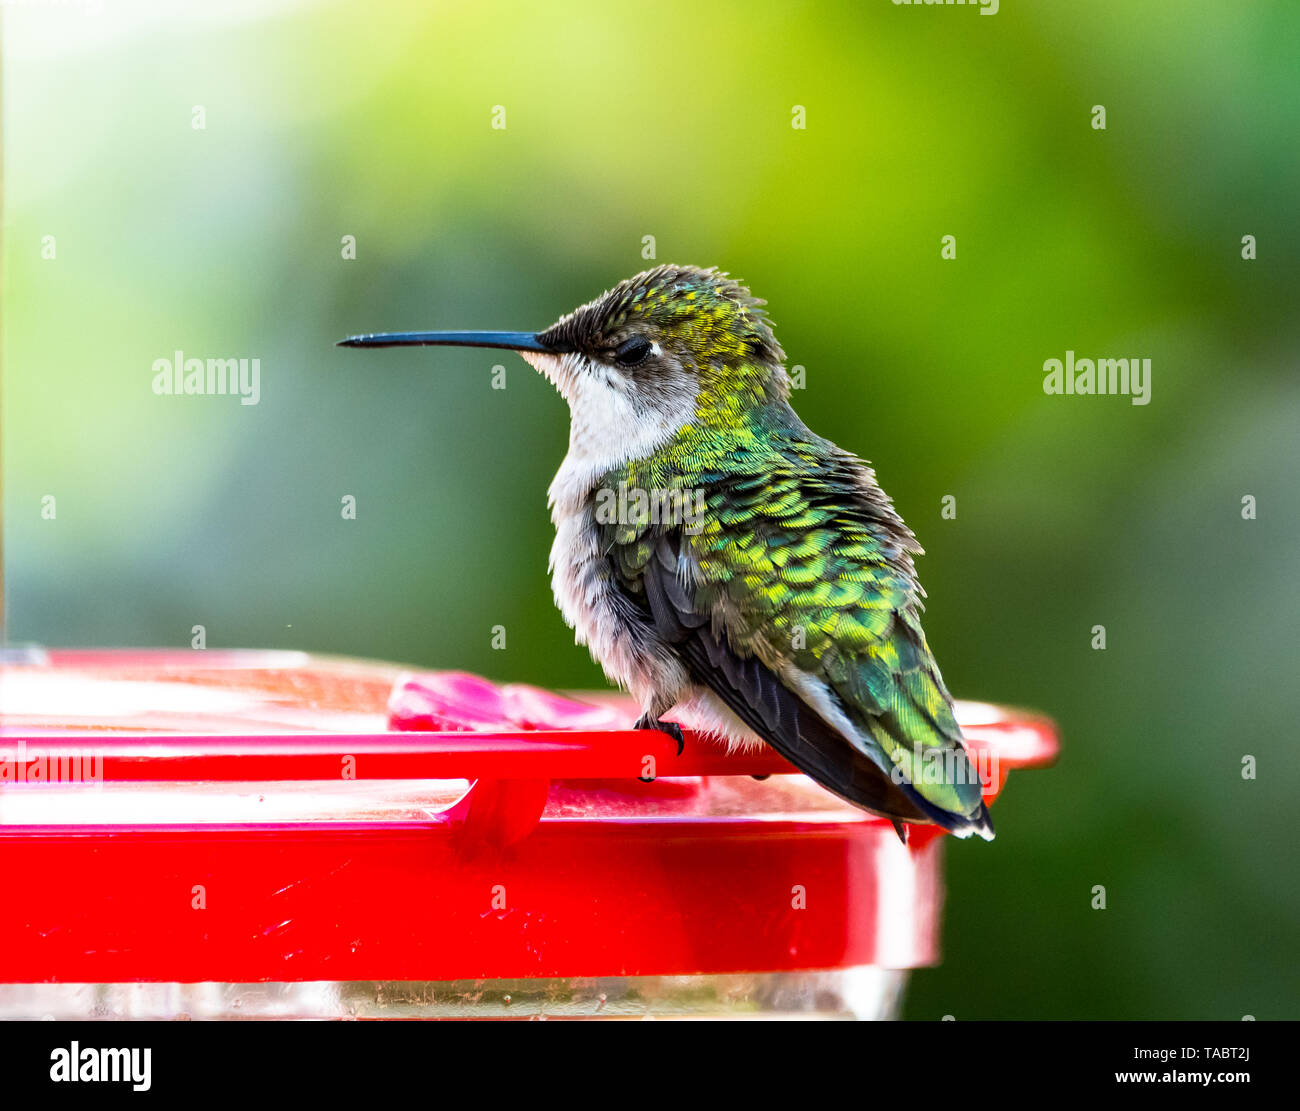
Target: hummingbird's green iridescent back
[802,565]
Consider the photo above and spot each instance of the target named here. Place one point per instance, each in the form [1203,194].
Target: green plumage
[795,557]
[801,561]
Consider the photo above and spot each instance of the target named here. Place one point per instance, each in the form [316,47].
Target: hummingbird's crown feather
[709,314]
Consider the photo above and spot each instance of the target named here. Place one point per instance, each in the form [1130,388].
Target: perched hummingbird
[711,550]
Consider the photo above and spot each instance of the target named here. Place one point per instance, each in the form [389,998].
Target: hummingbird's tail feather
[762,702]
[915,737]
[785,721]
[817,748]
[980,824]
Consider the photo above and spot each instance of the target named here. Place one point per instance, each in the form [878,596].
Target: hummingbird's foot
[648,721]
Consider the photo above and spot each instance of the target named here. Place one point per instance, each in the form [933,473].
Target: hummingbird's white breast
[607,429]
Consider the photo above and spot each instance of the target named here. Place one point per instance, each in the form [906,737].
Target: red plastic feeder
[211,834]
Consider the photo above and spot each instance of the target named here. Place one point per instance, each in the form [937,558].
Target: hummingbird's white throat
[610,422]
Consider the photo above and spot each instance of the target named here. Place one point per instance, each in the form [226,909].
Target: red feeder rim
[243,816]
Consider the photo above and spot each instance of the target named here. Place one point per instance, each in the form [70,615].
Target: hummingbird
[716,555]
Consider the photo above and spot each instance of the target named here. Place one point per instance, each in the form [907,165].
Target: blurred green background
[673,120]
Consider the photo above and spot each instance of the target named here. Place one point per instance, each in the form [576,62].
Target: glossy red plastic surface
[273,816]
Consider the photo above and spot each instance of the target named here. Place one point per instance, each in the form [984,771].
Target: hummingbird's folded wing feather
[795,601]
[771,709]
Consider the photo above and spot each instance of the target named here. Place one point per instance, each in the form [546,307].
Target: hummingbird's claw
[646,721]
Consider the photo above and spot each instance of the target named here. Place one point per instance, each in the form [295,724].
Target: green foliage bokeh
[674,120]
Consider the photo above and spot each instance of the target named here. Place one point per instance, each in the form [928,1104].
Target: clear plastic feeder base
[854,993]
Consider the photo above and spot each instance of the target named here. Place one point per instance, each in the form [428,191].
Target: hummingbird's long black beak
[509,341]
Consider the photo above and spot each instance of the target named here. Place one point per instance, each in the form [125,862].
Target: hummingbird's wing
[793,598]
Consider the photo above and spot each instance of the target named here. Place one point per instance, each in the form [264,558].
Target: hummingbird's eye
[633,351]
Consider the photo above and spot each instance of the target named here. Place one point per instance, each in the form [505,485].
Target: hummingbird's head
[669,346]
[674,329]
